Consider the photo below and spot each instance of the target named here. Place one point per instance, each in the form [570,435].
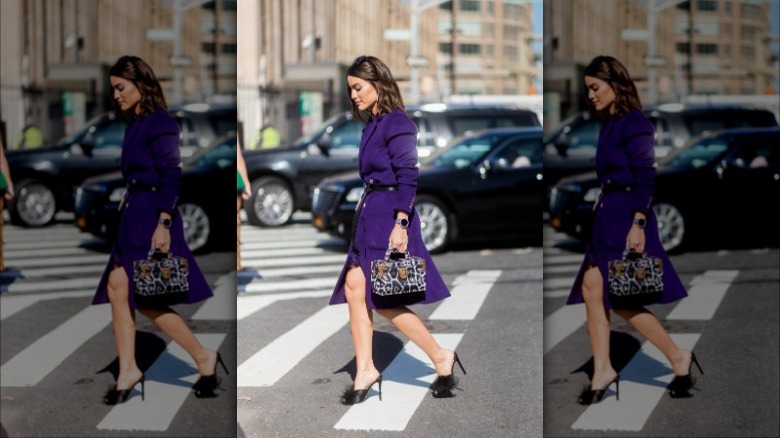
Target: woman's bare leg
[123,319]
[648,326]
[361,321]
[174,326]
[598,327]
[410,325]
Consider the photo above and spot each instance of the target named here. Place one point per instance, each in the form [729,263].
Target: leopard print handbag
[395,276]
[635,280]
[160,280]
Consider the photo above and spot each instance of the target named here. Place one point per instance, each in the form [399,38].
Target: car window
[584,135]
[347,136]
[307,139]
[80,132]
[109,135]
[699,153]
[698,123]
[465,152]
[221,155]
[763,152]
[189,136]
[223,123]
[662,135]
[518,153]
[425,135]
[461,124]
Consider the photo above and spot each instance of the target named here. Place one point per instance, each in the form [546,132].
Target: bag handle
[628,251]
[154,252]
[390,251]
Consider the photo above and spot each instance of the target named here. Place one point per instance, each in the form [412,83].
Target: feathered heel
[352,396]
[680,386]
[590,396]
[114,396]
[443,385]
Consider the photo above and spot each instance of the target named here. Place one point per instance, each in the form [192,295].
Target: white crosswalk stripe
[42,271]
[644,379]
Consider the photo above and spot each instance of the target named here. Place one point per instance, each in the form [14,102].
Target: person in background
[6,193]
[267,137]
[242,182]
[29,138]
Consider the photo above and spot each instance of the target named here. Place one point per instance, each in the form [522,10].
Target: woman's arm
[241,165]
[164,144]
[638,138]
[402,148]
[9,192]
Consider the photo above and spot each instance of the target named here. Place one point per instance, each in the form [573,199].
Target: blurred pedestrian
[30,137]
[385,217]
[6,193]
[267,137]
[148,218]
[625,164]
[242,182]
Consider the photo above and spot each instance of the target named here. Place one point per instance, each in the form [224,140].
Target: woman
[6,193]
[148,218]
[625,162]
[242,187]
[385,216]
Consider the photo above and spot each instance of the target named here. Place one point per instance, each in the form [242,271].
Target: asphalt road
[59,355]
[295,352]
[730,320]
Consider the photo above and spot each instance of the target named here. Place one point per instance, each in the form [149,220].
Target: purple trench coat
[625,165]
[150,159]
[388,157]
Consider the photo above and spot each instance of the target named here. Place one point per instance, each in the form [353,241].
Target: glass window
[707,49]
[518,153]
[756,154]
[706,28]
[445,47]
[470,49]
[109,136]
[683,47]
[465,152]
[470,27]
[511,52]
[189,137]
[447,6]
[681,26]
[584,135]
[751,11]
[445,25]
[230,48]
[461,124]
[469,5]
[347,136]
[208,48]
[229,5]
[707,5]
[698,154]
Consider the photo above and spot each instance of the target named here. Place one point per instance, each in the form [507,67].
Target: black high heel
[116,396]
[590,396]
[443,385]
[352,396]
[680,386]
[205,386]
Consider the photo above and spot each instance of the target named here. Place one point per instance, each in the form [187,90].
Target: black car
[46,179]
[283,179]
[720,186]
[485,185]
[571,148]
[205,204]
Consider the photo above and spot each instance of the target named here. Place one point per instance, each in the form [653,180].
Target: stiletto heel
[693,360]
[443,385]
[590,396]
[352,396]
[205,386]
[219,359]
[116,396]
[680,386]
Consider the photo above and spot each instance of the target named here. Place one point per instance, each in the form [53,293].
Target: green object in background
[3,182]
[240,182]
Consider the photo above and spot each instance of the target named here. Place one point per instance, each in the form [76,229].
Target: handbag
[160,280]
[394,275]
[635,280]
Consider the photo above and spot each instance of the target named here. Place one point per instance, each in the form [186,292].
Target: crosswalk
[306,267]
[55,270]
[644,378]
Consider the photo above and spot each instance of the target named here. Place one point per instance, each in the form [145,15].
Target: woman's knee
[592,286]
[117,285]
[355,286]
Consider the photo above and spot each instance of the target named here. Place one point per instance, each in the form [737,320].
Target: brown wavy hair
[376,72]
[137,71]
[613,72]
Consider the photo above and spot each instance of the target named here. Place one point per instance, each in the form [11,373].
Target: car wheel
[671,225]
[436,224]
[271,203]
[33,205]
[197,226]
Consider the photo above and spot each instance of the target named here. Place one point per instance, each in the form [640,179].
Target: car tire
[272,203]
[671,226]
[197,226]
[437,225]
[33,204]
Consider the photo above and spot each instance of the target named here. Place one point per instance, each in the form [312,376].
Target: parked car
[720,186]
[46,179]
[283,179]
[571,149]
[205,202]
[484,185]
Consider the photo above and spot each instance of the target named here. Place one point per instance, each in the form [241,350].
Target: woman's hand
[399,238]
[161,239]
[247,193]
[636,238]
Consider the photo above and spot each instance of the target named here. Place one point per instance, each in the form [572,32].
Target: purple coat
[625,165]
[150,159]
[388,157]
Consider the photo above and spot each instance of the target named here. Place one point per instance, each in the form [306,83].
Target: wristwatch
[641,223]
[165,222]
[403,222]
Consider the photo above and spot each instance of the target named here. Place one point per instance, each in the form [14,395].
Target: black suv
[46,179]
[283,179]
[571,148]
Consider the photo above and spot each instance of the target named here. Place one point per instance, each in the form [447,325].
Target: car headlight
[355,194]
[592,195]
[117,194]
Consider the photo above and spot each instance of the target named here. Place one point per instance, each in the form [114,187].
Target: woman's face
[600,94]
[362,94]
[126,94]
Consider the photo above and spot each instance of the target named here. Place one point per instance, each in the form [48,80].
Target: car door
[508,195]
